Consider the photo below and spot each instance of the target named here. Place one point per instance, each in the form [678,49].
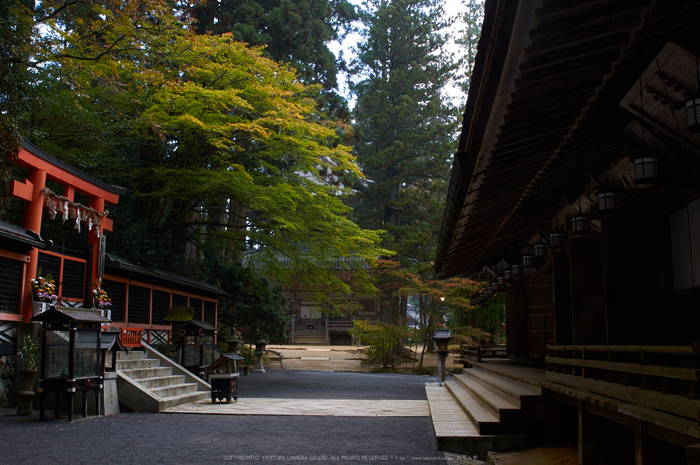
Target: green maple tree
[217,144]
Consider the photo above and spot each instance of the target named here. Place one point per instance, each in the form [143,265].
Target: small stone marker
[110,399]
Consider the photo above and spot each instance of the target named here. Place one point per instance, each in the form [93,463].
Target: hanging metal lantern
[495,286]
[472,301]
[501,280]
[580,223]
[517,270]
[692,110]
[528,260]
[540,249]
[508,275]
[646,170]
[557,239]
[607,201]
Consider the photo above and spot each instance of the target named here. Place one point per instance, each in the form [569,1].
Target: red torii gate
[42,166]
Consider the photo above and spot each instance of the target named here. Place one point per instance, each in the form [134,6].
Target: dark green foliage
[221,150]
[383,339]
[481,322]
[167,348]
[293,31]
[405,128]
[8,377]
[16,29]
[473,19]
[254,306]
[16,26]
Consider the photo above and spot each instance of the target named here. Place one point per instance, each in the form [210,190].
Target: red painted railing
[131,337]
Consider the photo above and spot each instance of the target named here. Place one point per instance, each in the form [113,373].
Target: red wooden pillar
[32,220]
[69,192]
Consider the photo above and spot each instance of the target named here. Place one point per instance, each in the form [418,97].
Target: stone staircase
[150,382]
[310,336]
[481,411]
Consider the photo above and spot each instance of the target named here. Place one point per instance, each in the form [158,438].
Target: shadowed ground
[142,438]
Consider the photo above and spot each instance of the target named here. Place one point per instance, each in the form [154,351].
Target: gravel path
[310,384]
[141,438]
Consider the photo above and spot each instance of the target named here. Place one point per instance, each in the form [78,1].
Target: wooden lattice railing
[475,353]
[340,325]
[664,378]
[131,337]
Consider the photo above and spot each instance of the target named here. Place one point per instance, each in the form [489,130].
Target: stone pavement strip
[449,420]
[317,407]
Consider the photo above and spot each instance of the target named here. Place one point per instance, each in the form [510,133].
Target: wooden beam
[23,190]
[630,349]
[14,256]
[688,374]
[674,404]
[28,159]
[168,290]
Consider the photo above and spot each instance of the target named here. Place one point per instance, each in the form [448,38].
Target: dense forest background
[244,166]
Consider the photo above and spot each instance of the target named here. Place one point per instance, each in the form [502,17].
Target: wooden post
[641,443]
[42,374]
[71,372]
[553,423]
[587,436]
[692,454]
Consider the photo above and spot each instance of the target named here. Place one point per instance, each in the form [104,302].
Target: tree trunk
[425,338]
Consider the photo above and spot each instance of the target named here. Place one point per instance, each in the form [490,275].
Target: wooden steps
[480,411]
[505,387]
[310,337]
[485,419]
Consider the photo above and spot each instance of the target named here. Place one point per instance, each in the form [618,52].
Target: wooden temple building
[577,186]
[309,320]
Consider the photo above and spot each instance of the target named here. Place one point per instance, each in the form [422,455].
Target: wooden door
[540,314]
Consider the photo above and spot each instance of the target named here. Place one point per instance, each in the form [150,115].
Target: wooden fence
[664,378]
[475,353]
[131,337]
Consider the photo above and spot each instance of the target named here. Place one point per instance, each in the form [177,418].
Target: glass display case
[57,354]
[70,356]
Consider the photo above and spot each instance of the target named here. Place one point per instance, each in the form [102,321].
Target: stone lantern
[441,338]
[259,352]
[234,343]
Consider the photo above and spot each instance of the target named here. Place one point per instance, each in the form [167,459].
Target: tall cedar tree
[468,38]
[15,77]
[295,32]
[405,127]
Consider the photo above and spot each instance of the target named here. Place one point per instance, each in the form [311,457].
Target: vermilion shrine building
[141,297]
